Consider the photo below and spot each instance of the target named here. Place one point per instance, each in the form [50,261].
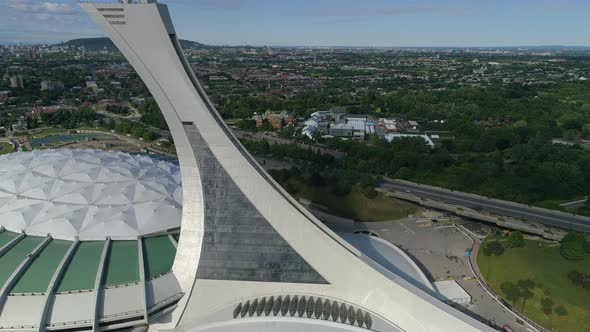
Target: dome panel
[90,194]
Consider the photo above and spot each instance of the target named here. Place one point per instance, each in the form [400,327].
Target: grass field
[52,131]
[355,205]
[6,148]
[542,263]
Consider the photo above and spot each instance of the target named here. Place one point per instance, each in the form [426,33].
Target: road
[14,142]
[259,136]
[510,209]
[575,204]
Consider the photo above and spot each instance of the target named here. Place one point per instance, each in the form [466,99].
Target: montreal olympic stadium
[96,240]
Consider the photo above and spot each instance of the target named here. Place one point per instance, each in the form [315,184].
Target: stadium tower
[250,257]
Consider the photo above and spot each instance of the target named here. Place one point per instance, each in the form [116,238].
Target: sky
[379,23]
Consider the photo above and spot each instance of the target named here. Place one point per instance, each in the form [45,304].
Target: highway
[543,216]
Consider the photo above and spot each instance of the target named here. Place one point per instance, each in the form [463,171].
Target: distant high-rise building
[91,85]
[51,85]
[16,82]
[4,96]
[30,53]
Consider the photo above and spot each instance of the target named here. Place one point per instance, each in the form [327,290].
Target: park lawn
[6,148]
[549,270]
[355,205]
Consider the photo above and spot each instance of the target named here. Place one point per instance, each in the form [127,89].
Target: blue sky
[328,22]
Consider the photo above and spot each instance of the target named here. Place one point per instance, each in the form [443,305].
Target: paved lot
[439,249]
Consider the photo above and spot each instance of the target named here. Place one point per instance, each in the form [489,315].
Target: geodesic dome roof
[90,194]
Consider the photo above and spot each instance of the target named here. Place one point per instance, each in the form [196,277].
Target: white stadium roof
[89,194]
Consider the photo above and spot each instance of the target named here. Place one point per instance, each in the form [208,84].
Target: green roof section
[6,237]
[122,264]
[158,255]
[14,257]
[38,275]
[81,272]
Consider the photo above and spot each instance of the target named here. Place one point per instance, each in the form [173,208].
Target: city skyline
[375,23]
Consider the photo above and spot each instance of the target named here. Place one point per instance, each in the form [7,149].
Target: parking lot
[440,250]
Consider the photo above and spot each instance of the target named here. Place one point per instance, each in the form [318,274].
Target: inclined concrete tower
[250,257]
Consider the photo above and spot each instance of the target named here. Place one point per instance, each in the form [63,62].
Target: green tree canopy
[493,248]
[572,246]
[516,239]
[547,305]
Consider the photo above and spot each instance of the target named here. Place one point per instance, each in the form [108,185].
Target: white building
[92,86]
[16,82]
[451,292]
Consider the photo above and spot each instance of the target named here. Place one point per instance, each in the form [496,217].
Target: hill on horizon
[100,43]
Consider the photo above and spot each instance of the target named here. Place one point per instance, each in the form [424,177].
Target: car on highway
[507,328]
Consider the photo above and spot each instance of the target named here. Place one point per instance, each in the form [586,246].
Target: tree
[341,187]
[493,248]
[151,115]
[315,179]
[246,124]
[515,240]
[572,246]
[547,305]
[124,127]
[138,132]
[522,290]
[579,279]
[110,124]
[117,109]
[149,135]
[367,181]
[511,291]
[526,283]
[370,193]
[287,132]
[404,173]
[561,311]
[526,290]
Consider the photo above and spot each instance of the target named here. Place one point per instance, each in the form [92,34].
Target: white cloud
[46,8]
[223,4]
[388,11]
[53,20]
